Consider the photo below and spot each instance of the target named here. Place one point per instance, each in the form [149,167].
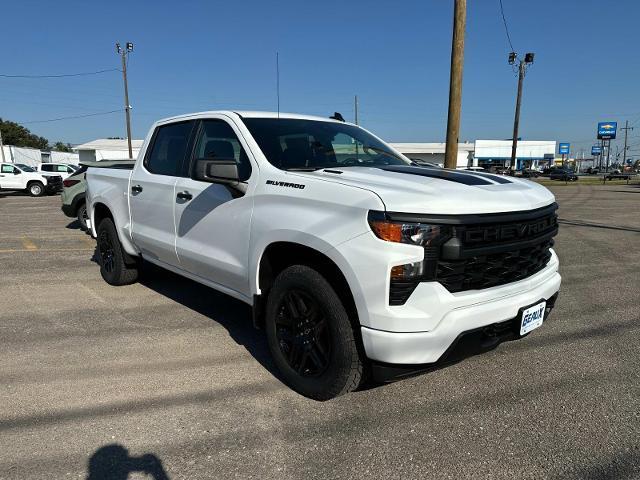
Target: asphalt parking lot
[167,376]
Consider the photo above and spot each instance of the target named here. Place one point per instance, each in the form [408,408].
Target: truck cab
[356,260]
[63,169]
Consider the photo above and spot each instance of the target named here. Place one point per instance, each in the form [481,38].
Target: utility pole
[123,52]
[355,106]
[455,84]
[624,152]
[522,70]
[1,146]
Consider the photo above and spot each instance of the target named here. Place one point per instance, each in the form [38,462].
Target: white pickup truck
[356,261]
[21,177]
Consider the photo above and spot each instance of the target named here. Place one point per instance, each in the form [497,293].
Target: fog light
[407,271]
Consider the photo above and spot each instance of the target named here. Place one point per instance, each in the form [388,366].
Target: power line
[506,28]
[81,74]
[72,117]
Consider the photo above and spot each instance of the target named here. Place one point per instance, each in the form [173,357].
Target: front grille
[486,271]
[493,253]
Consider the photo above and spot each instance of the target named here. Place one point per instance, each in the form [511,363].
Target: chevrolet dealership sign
[607,130]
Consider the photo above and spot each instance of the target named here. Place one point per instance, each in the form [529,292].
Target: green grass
[587,181]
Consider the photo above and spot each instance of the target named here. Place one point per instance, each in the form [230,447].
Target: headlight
[422,234]
[405,278]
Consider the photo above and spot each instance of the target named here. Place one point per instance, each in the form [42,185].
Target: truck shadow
[113,462]
[233,315]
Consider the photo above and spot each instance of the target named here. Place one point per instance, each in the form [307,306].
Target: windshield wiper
[303,169]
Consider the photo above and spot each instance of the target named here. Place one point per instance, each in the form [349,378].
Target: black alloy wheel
[107,252]
[303,334]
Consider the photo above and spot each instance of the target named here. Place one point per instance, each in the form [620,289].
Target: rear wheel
[310,336]
[116,267]
[36,189]
[83,217]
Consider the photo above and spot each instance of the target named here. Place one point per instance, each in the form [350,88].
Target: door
[212,219]
[11,177]
[152,194]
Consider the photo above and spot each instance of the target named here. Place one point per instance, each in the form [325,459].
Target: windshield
[24,168]
[292,144]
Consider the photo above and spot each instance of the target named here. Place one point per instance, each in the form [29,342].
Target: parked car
[62,169]
[527,173]
[351,256]
[616,175]
[563,174]
[74,189]
[21,177]
[593,170]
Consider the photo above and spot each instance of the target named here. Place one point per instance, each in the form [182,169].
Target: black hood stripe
[440,173]
[495,178]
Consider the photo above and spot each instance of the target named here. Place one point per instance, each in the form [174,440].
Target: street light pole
[127,108]
[522,66]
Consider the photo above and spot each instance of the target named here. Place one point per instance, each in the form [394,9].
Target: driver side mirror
[16,171]
[216,171]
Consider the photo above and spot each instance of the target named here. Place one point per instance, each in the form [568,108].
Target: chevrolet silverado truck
[358,263]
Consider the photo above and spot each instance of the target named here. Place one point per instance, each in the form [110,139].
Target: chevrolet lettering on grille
[513,231]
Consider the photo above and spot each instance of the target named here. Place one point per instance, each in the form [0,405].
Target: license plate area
[532,317]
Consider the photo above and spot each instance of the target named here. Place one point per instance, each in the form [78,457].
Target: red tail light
[69,183]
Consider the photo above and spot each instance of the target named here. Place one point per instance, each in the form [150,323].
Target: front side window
[46,168]
[6,168]
[169,148]
[293,144]
[217,141]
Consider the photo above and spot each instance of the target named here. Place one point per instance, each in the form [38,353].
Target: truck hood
[411,189]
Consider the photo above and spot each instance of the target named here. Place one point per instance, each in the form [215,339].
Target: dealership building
[485,153]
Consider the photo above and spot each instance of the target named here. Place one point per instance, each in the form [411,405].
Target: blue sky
[202,55]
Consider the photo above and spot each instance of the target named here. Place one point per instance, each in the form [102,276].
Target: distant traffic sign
[563,148]
[596,150]
[607,130]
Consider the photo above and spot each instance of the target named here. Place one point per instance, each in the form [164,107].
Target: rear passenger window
[169,148]
[217,141]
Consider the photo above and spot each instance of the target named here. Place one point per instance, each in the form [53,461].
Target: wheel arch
[100,211]
[279,255]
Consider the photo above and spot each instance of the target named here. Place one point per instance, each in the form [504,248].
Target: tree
[19,136]
[62,147]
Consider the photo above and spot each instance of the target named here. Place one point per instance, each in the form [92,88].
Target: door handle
[184,195]
[136,189]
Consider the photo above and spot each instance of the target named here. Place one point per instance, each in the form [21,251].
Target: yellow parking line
[16,250]
[28,244]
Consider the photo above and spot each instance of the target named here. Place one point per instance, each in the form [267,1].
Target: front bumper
[430,346]
[53,187]
[469,343]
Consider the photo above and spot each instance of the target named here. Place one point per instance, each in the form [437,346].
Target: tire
[310,336]
[83,217]
[116,266]
[36,189]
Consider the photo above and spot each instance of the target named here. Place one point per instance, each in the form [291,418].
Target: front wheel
[310,336]
[116,267]
[36,189]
